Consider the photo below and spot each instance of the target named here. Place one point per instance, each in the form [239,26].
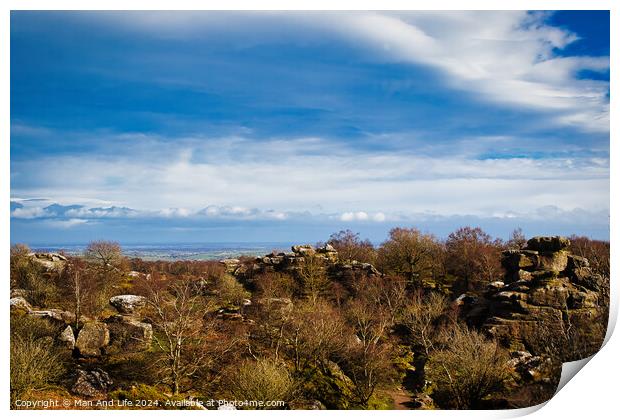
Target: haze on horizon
[155,127]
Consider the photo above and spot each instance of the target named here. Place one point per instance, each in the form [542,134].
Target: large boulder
[92,338]
[19,304]
[128,334]
[128,304]
[91,383]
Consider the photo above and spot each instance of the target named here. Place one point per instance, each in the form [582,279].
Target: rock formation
[290,262]
[127,331]
[92,339]
[50,261]
[549,301]
[128,304]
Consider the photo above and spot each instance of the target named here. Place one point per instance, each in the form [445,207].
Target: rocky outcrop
[50,261]
[91,383]
[549,301]
[128,332]
[128,304]
[92,339]
[290,262]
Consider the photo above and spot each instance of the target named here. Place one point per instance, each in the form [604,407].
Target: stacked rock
[548,297]
[128,332]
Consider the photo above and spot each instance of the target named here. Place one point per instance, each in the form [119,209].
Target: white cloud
[67,224]
[505,57]
[276,175]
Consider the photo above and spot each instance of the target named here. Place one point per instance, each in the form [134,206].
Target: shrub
[261,380]
[34,366]
[468,369]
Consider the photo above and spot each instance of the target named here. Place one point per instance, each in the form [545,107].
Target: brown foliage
[412,255]
[474,258]
[351,248]
[467,369]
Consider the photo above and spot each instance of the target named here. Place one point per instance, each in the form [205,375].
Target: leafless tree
[421,318]
[473,257]
[350,247]
[180,320]
[312,276]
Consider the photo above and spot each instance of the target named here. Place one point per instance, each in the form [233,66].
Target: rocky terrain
[548,308]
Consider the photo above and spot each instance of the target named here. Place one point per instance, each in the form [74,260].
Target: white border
[592,395]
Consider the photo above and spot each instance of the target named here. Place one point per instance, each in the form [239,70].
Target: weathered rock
[19,304]
[92,338]
[327,248]
[57,316]
[91,383]
[128,334]
[128,304]
[548,243]
[67,338]
[515,260]
[50,261]
[423,401]
[231,264]
[303,249]
[136,274]
[549,297]
[552,261]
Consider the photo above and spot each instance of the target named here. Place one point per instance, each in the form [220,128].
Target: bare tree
[80,283]
[421,318]
[106,254]
[367,359]
[314,333]
[350,247]
[261,380]
[312,275]
[517,239]
[473,257]
[181,327]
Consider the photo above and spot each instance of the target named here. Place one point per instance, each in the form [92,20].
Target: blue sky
[219,126]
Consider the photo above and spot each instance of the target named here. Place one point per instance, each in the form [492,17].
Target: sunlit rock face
[550,302]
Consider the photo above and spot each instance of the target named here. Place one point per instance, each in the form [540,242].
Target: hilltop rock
[549,299]
[291,262]
[128,304]
[50,261]
[548,243]
[92,338]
